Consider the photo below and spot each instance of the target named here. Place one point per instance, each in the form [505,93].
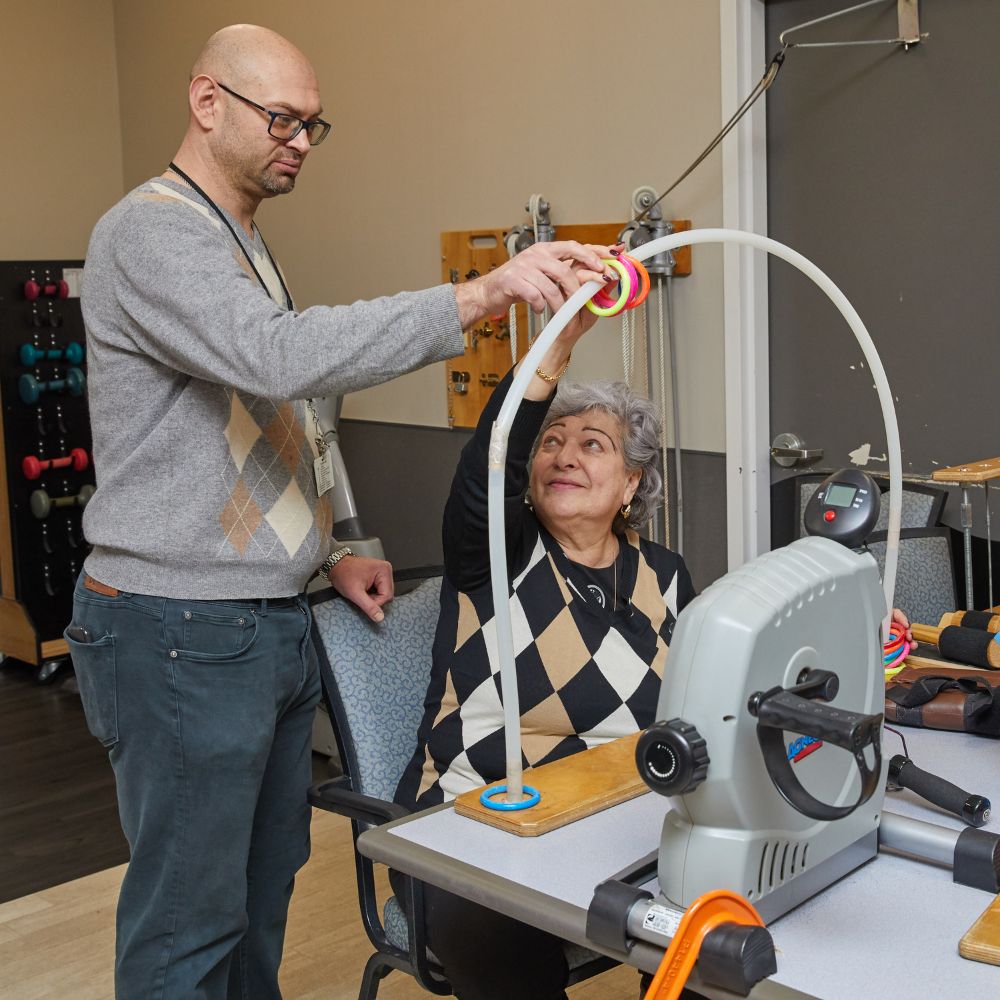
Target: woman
[593,608]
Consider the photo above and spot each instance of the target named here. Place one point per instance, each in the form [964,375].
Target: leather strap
[100,588]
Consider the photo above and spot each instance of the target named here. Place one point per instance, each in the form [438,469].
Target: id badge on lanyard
[323,463]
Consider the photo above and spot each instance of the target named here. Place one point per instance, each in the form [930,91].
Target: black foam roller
[970,645]
[978,619]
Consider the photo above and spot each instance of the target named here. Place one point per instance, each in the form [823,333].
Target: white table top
[890,928]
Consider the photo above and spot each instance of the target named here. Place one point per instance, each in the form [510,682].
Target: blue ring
[534,797]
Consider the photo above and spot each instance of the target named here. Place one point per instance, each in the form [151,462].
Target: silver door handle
[789,449]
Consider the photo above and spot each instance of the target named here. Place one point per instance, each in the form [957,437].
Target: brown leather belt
[99,588]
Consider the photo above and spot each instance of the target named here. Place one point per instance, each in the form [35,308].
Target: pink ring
[602,298]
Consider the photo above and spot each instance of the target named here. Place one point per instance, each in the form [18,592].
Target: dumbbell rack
[44,421]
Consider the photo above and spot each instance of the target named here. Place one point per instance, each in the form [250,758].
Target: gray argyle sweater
[203,448]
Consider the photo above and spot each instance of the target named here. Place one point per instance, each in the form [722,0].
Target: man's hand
[546,274]
[364,582]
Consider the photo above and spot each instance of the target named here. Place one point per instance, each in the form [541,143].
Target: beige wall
[447,115]
[62,160]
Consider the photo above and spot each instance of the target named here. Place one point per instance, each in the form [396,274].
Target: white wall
[447,115]
[62,150]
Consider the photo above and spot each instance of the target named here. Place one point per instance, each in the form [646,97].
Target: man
[190,636]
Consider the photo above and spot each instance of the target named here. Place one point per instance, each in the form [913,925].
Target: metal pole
[655,531]
[989,544]
[967,545]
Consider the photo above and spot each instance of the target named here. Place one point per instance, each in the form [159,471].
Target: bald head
[250,89]
[247,55]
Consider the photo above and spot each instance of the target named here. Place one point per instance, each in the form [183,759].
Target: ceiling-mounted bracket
[908,17]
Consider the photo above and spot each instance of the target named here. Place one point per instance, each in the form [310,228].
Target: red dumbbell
[33,467]
[51,290]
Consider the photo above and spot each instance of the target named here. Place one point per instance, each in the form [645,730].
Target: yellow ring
[626,291]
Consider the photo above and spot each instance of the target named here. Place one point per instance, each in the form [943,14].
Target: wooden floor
[59,942]
[61,863]
[58,814]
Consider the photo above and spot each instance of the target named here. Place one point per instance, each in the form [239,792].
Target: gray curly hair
[640,426]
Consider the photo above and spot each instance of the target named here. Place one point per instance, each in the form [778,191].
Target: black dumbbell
[30,388]
[31,355]
[41,503]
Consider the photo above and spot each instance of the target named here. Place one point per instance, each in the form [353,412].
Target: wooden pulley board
[467,254]
[980,471]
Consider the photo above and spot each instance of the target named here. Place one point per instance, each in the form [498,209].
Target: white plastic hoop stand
[501,431]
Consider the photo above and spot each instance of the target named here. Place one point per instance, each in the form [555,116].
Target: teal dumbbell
[31,355]
[41,503]
[30,388]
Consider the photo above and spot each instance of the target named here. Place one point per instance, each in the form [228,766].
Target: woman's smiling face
[578,472]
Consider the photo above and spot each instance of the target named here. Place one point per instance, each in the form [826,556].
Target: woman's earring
[625,511]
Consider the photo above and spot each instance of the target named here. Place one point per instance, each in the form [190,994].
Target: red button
[830,515]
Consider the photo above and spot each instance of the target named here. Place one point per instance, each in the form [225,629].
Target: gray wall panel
[883,168]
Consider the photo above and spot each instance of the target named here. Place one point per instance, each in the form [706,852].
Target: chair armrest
[337,796]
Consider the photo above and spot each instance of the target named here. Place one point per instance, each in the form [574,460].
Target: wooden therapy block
[982,941]
[571,789]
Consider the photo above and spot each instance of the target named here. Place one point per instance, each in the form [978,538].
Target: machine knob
[672,757]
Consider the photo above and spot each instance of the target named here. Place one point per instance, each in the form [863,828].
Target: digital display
[839,495]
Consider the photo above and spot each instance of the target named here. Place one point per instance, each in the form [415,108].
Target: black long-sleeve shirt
[586,674]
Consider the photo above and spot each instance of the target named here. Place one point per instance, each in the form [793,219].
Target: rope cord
[664,447]
[512,327]
[771,73]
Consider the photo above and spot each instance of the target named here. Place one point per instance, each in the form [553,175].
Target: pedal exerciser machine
[771,707]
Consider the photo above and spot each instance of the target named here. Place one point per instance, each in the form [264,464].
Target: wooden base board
[982,941]
[927,663]
[571,788]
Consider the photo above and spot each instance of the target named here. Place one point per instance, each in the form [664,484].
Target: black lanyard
[218,211]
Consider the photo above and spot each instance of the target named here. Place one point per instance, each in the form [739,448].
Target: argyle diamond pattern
[271,506]
[582,680]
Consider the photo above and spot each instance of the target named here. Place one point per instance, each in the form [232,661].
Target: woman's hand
[555,359]
[584,320]
[900,619]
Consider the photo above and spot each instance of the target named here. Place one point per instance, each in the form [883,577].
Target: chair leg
[375,971]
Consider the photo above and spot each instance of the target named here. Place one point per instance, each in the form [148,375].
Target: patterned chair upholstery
[374,681]
[925,577]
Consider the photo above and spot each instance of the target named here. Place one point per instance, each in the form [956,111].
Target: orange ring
[643,279]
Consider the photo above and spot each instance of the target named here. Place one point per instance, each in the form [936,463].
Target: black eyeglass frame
[303,124]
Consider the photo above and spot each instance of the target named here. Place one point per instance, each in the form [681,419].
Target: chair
[925,577]
[374,681]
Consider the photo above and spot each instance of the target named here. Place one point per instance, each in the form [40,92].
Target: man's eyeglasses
[284,127]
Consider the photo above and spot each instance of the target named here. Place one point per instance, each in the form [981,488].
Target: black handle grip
[778,710]
[974,809]
[785,710]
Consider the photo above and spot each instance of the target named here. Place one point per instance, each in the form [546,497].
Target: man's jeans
[206,708]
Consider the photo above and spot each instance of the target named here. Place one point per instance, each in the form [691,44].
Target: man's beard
[275,183]
[241,168]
